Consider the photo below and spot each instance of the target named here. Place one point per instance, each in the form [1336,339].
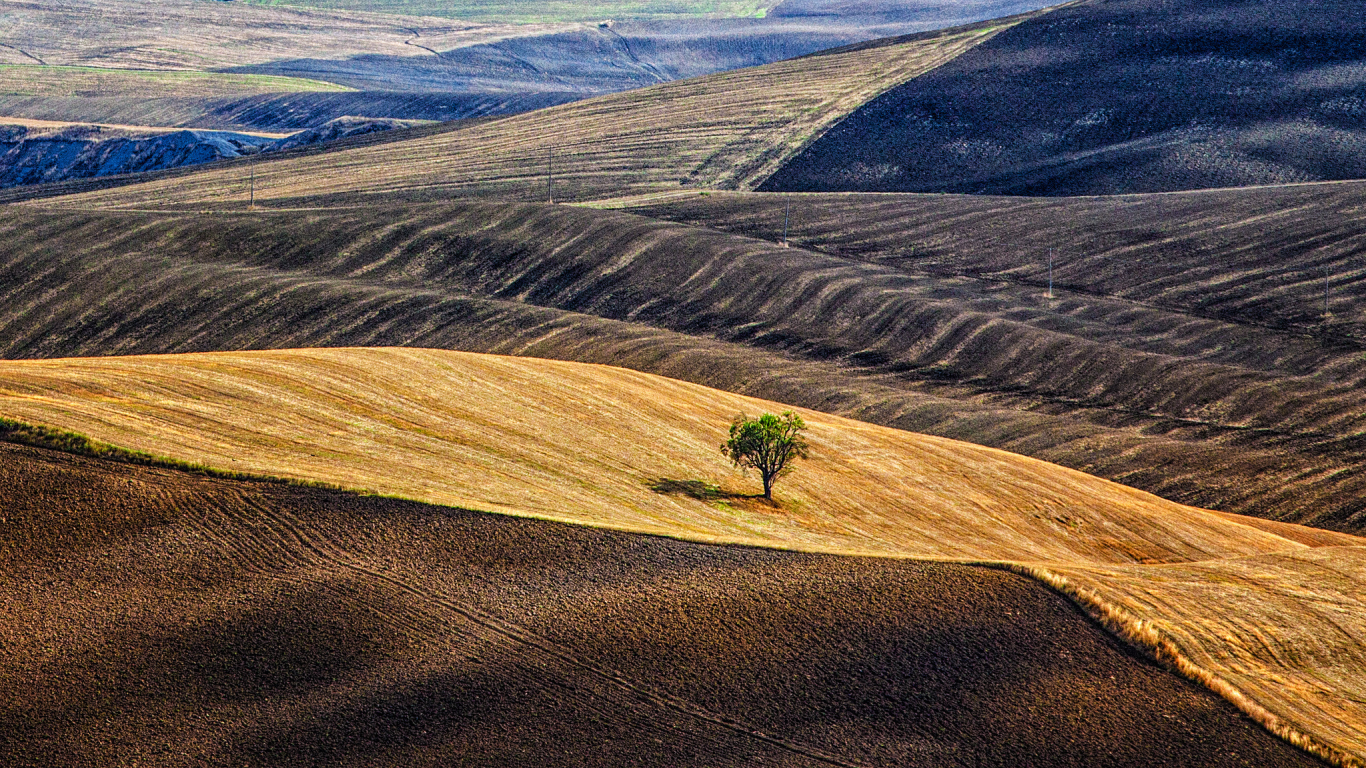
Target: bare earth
[170,619]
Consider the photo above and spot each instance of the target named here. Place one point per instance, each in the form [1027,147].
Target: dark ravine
[1271,436]
[90,152]
[1117,96]
[177,620]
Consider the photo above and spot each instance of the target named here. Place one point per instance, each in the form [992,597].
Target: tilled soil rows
[160,617]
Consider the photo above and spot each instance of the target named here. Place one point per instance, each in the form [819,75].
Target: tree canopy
[768,444]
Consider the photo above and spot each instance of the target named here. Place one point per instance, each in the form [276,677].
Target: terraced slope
[1117,96]
[727,131]
[1149,397]
[256,624]
[613,448]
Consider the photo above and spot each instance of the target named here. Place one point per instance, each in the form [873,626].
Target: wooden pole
[251,199]
[787,216]
[1050,273]
[1326,313]
[550,175]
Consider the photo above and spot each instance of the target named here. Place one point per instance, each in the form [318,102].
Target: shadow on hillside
[698,489]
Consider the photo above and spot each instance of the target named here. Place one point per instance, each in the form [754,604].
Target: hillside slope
[729,130]
[407,67]
[620,449]
[420,635]
[1117,96]
[504,434]
[1220,413]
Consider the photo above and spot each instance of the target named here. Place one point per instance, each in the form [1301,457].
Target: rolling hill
[1219,413]
[1182,350]
[727,130]
[406,67]
[1117,96]
[620,449]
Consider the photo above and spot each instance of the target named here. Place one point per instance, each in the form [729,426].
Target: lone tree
[768,444]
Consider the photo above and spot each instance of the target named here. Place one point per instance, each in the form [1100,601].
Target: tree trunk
[768,488]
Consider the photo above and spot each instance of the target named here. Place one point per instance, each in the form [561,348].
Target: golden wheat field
[1268,615]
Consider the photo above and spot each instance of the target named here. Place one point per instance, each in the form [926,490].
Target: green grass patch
[537,11]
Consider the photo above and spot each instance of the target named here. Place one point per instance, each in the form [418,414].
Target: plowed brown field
[170,620]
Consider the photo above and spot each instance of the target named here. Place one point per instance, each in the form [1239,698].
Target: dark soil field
[155,616]
[1117,96]
[1214,411]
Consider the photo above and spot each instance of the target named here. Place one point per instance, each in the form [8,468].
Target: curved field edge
[606,445]
[1153,634]
[1149,637]
[77,444]
[1139,634]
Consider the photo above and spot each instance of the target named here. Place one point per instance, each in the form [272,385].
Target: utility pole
[251,199]
[1050,273]
[550,175]
[787,216]
[1326,313]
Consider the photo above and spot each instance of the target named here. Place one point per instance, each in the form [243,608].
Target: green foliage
[768,445]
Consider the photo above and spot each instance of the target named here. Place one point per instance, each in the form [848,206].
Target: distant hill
[407,67]
[727,130]
[1118,96]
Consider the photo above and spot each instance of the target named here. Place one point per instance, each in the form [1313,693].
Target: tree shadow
[700,490]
